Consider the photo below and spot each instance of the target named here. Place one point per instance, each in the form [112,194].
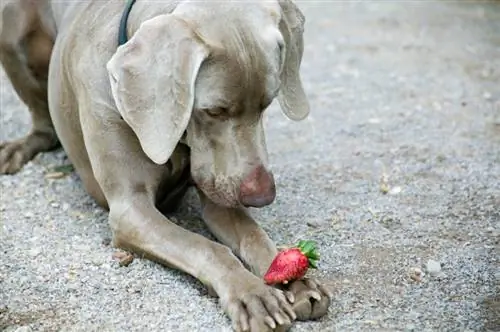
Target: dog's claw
[258,307]
[12,157]
[312,299]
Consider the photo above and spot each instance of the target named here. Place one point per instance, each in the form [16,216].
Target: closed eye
[216,111]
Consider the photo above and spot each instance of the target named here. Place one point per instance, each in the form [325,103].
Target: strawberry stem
[308,248]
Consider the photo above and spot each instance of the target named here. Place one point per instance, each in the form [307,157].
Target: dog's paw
[312,299]
[255,307]
[13,156]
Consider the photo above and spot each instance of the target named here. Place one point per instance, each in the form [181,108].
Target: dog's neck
[136,12]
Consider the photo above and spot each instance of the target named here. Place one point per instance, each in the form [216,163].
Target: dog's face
[225,77]
[234,87]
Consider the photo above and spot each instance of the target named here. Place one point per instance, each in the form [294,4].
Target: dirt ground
[398,165]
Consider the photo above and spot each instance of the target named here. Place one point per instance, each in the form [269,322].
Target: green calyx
[308,248]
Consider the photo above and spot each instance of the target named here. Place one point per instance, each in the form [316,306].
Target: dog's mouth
[222,194]
[229,196]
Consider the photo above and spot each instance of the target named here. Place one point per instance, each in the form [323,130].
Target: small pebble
[23,329]
[395,190]
[119,255]
[55,175]
[486,72]
[437,106]
[124,258]
[384,188]
[97,262]
[433,267]
[34,252]
[416,274]
[133,290]
[127,260]
[311,224]
[410,327]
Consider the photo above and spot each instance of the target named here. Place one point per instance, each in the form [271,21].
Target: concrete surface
[405,97]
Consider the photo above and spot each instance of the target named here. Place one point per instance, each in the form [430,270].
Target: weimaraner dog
[178,104]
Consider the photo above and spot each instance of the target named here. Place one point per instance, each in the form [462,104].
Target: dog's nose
[258,188]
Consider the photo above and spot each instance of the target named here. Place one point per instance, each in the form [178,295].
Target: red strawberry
[292,264]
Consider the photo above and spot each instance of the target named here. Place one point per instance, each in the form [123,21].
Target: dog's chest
[177,165]
[177,177]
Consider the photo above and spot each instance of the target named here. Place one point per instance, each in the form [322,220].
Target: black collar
[122,31]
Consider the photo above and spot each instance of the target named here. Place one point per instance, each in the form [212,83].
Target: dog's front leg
[139,227]
[238,230]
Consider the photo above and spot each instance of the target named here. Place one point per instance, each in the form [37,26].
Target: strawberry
[292,263]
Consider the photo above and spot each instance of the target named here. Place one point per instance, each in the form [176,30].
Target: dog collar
[122,30]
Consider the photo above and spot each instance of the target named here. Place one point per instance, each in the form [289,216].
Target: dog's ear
[152,80]
[292,97]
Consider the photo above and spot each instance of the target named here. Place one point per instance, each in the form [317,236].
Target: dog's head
[212,77]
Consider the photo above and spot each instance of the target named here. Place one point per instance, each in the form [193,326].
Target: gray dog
[179,103]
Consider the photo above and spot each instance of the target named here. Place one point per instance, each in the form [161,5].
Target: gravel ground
[406,101]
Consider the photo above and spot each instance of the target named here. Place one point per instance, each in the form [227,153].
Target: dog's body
[180,102]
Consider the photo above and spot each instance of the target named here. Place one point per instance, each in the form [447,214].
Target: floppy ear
[152,80]
[292,97]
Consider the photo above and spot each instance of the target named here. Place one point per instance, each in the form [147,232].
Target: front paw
[312,299]
[13,156]
[253,306]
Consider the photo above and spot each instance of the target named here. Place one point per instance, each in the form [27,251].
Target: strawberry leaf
[313,264]
[314,255]
[307,246]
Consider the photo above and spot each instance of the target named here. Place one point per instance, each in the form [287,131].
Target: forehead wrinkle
[242,60]
[246,57]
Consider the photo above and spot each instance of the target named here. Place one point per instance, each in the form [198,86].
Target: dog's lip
[228,200]
[232,204]
[231,199]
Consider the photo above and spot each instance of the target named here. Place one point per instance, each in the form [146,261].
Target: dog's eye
[217,111]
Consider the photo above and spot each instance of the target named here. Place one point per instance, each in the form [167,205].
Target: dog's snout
[258,188]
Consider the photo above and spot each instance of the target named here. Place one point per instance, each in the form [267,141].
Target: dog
[149,99]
